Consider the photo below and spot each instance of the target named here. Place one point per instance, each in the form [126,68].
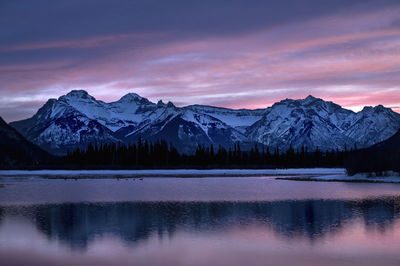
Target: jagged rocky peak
[49,104]
[77,94]
[376,109]
[367,109]
[310,99]
[380,108]
[160,103]
[314,101]
[133,98]
[170,105]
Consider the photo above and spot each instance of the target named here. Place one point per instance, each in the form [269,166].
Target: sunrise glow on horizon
[220,53]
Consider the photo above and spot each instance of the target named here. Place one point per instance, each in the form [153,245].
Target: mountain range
[76,119]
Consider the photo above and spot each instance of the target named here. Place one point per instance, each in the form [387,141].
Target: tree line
[160,154]
[379,162]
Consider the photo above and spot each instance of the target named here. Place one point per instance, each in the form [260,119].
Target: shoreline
[292,174]
[358,178]
[170,173]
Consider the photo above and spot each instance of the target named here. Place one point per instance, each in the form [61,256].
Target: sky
[229,53]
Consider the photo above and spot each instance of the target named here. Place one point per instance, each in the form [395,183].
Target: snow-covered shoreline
[393,178]
[296,174]
[176,172]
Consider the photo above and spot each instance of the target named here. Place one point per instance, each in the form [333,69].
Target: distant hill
[17,152]
[381,157]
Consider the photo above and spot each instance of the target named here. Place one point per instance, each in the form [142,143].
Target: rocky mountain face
[59,126]
[77,119]
[312,122]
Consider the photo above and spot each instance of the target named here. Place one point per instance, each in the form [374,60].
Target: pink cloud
[351,60]
[90,42]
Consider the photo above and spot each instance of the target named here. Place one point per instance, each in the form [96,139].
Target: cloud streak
[348,54]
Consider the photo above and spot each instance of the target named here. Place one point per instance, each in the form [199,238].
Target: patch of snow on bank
[392,178]
[294,171]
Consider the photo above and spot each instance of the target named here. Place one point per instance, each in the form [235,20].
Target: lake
[197,221]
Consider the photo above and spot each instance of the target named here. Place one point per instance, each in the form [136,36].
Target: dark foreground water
[198,221]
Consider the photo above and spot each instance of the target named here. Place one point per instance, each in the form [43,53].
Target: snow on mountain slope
[131,109]
[57,126]
[313,123]
[210,124]
[76,119]
[183,127]
[309,122]
[239,119]
[372,125]
[133,115]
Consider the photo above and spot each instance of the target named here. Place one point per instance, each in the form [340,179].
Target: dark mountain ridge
[17,152]
[379,158]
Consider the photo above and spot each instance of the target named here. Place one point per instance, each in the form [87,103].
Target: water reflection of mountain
[79,223]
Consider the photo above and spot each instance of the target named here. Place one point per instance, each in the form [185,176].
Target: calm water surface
[198,221]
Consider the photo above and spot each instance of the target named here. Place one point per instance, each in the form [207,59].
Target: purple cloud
[349,55]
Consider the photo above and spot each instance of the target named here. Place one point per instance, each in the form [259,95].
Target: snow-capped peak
[310,99]
[170,105]
[160,103]
[132,97]
[77,94]
[380,108]
[376,109]
[310,122]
